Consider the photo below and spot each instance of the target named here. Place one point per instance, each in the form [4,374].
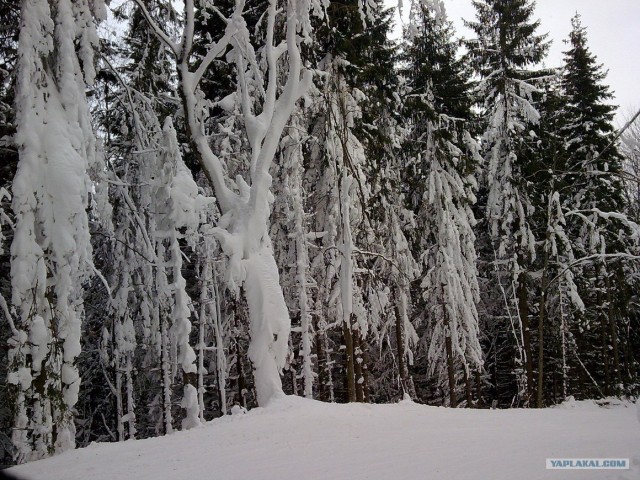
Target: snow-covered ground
[294,438]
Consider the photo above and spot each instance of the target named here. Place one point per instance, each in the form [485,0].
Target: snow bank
[299,438]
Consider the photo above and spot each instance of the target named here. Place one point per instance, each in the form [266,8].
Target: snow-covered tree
[51,254]
[442,156]
[594,165]
[243,227]
[291,236]
[505,50]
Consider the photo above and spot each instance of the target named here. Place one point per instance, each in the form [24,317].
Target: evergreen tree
[506,49]
[349,169]
[593,165]
[442,156]
[51,255]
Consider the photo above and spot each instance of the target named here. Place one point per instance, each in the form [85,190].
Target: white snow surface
[299,438]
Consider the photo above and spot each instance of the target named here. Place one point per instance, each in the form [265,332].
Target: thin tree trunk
[349,362]
[221,358]
[242,398]
[119,406]
[467,383]
[166,377]
[406,382]
[604,345]
[563,335]
[541,319]
[614,339]
[242,386]
[523,308]
[365,370]
[542,312]
[321,362]
[131,416]
[359,366]
[478,382]
[452,373]
[450,364]
[604,327]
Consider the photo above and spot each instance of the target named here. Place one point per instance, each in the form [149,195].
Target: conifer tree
[593,165]
[349,156]
[442,156]
[505,50]
[51,255]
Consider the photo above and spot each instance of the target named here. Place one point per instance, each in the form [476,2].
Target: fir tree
[593,165]
[51,255]
[506,49]
[442,157]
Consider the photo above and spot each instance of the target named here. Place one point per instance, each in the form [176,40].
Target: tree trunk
[349,362]
[614,340]
[523,309]
[166,375]
[242,385]
[478,382]
[450,364]
[467,383]
[541,319]
[358,365]
[406,383]
[542,312]
[322,363]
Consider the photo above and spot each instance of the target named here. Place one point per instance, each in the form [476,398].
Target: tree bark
[349,362]
[614,339]
[450,364]
[542,312]
[523,309]
[358,366]
[406,383]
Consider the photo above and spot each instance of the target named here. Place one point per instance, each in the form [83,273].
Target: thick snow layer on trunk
[270,323]
[191,406]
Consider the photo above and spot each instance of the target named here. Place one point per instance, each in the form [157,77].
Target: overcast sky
[613,33]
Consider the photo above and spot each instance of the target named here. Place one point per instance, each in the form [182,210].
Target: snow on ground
[294,438]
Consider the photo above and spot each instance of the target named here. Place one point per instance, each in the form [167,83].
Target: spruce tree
[440,153]
[593,165]
[349,148]
[51,254]
[503,54]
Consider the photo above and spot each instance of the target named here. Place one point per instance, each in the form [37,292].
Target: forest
[209,204]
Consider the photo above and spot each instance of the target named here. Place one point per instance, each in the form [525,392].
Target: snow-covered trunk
[451,369]
[302,264]
[402,320]
[219,335]
[346,284]
[119,407]
[202,323]
[323,357]
[293,198]
[165,352]
[269,326]
[131,416]
[563,340]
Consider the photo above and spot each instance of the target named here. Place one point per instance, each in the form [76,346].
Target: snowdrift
[295,438]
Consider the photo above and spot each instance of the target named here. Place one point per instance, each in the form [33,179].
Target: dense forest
[227,201]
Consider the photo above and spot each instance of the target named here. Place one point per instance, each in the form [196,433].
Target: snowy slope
[305,439]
